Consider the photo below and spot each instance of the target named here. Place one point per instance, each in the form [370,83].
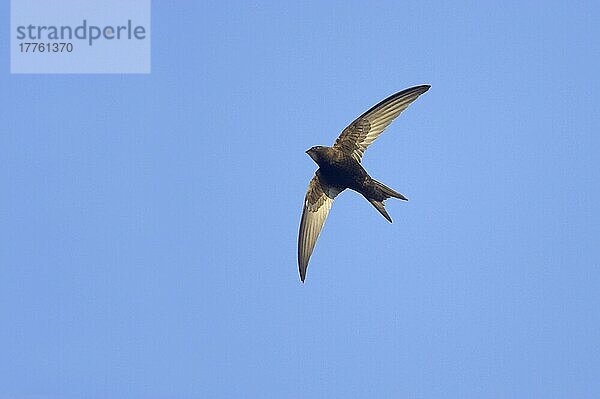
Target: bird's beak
[311,153]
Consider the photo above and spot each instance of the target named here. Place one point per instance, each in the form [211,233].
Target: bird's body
[342,171]
[340,168]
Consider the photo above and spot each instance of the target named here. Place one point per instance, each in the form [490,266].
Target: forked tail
[379,206]
[385,192]
[388,192]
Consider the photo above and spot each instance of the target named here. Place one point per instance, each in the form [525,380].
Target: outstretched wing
[355,139]
[317,203]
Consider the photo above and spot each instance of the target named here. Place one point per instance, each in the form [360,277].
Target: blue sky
[148,223]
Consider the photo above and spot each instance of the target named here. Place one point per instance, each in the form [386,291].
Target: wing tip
[411,92]
[422,88]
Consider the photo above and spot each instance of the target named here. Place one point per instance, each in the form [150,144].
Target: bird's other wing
[317,203]
[355,139]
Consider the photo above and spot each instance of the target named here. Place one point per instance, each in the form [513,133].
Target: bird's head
[316,152]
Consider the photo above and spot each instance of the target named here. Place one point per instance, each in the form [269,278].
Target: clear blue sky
[148,223]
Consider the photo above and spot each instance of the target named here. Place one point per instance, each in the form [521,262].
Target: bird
[340,168]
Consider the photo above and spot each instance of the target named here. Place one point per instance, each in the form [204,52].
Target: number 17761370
[39,47]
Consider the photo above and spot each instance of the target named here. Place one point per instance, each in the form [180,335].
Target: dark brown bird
[340,168]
